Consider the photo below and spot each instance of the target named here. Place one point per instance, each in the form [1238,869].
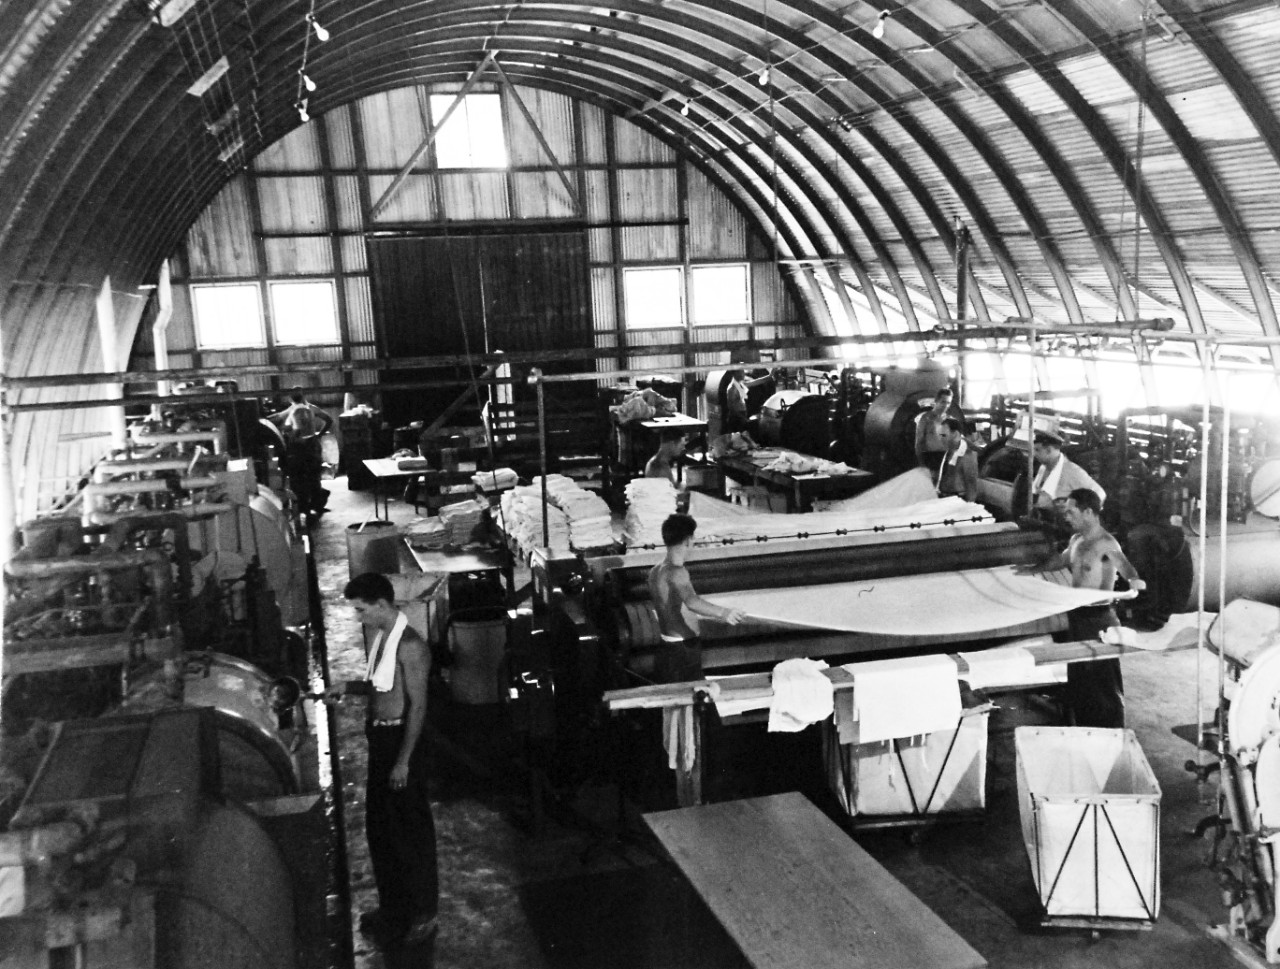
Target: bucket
[479,647]
[373,546]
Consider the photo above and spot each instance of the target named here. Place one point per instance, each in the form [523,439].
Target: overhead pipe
[981,329]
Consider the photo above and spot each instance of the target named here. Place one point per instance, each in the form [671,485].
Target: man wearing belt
[398,821]
[1095,689]
[679,657]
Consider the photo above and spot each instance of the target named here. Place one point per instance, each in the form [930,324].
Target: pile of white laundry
[649,503]
[467,521]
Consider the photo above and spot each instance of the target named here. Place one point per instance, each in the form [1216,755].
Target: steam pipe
[218,437]
[107,470]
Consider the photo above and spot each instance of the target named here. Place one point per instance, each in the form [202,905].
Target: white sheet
[904,697]
[934,604]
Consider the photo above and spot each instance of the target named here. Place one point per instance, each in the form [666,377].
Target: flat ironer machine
[598,609]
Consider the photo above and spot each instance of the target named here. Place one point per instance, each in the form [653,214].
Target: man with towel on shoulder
[1095,689]
[398,821]
[680,657]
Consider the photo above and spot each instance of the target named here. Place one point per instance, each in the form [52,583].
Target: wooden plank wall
[301,212]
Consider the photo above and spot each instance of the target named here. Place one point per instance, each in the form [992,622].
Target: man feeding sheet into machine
[679,657]
[1095,691]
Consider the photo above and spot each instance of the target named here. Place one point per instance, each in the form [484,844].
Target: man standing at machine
[398,821]
[959,472]
[1095,689]
[1057,476]
[303,425]
[932,436]
[671,447]
[680,657]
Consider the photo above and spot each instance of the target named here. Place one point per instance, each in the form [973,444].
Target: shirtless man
[680,658]
[670,449]
[398,820]
[1095,690]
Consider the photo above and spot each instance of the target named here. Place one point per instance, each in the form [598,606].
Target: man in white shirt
[1057,476]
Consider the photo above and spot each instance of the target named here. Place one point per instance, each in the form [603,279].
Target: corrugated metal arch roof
[1114,160]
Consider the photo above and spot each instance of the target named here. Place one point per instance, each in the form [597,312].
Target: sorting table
[792,889]
[800,490]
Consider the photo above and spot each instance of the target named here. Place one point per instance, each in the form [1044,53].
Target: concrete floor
[560,899]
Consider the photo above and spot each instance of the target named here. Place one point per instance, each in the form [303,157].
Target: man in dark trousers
[398,820]
[303,424]
[680,657]
[1095,689]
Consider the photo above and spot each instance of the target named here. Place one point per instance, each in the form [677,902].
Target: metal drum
[255,759]
[795,419]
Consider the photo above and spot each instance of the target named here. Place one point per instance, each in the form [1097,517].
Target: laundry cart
[1090,811]
[912,782]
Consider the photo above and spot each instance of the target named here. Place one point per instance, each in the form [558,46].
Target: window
[472,137]
[653,297]
[304,313]
[227,315]
[721,294]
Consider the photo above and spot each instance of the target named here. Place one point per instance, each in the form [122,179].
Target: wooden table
[792,889]
[387,471]
[800,490]
[638,440]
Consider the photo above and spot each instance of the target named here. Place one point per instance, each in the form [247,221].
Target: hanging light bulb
[321,34]
[764,77]
[307,83]
[684,111]
[878,30]
[302,111]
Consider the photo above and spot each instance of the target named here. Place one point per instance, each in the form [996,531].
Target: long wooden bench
[793,890]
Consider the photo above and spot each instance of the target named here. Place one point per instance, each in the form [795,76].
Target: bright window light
[304,313]
[653,297]
[721,294]
[473,136]
[227,315]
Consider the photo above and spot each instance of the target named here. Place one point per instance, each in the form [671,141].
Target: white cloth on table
[1001,666]
[904,697]
[381,668]
[801,695]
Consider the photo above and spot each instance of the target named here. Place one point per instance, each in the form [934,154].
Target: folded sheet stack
[649,502]
[427,534]
[522,519]
[466,521]
[500,479]
[590,524]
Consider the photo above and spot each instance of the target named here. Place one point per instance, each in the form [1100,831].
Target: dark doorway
[468,292]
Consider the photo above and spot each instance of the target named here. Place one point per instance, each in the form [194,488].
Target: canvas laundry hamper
[1090,811]
[934,774]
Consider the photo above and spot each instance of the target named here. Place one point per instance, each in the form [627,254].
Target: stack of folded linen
[466,521]
[522,519]
[649,503]
[427,534]
[500,479]
[590,524]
